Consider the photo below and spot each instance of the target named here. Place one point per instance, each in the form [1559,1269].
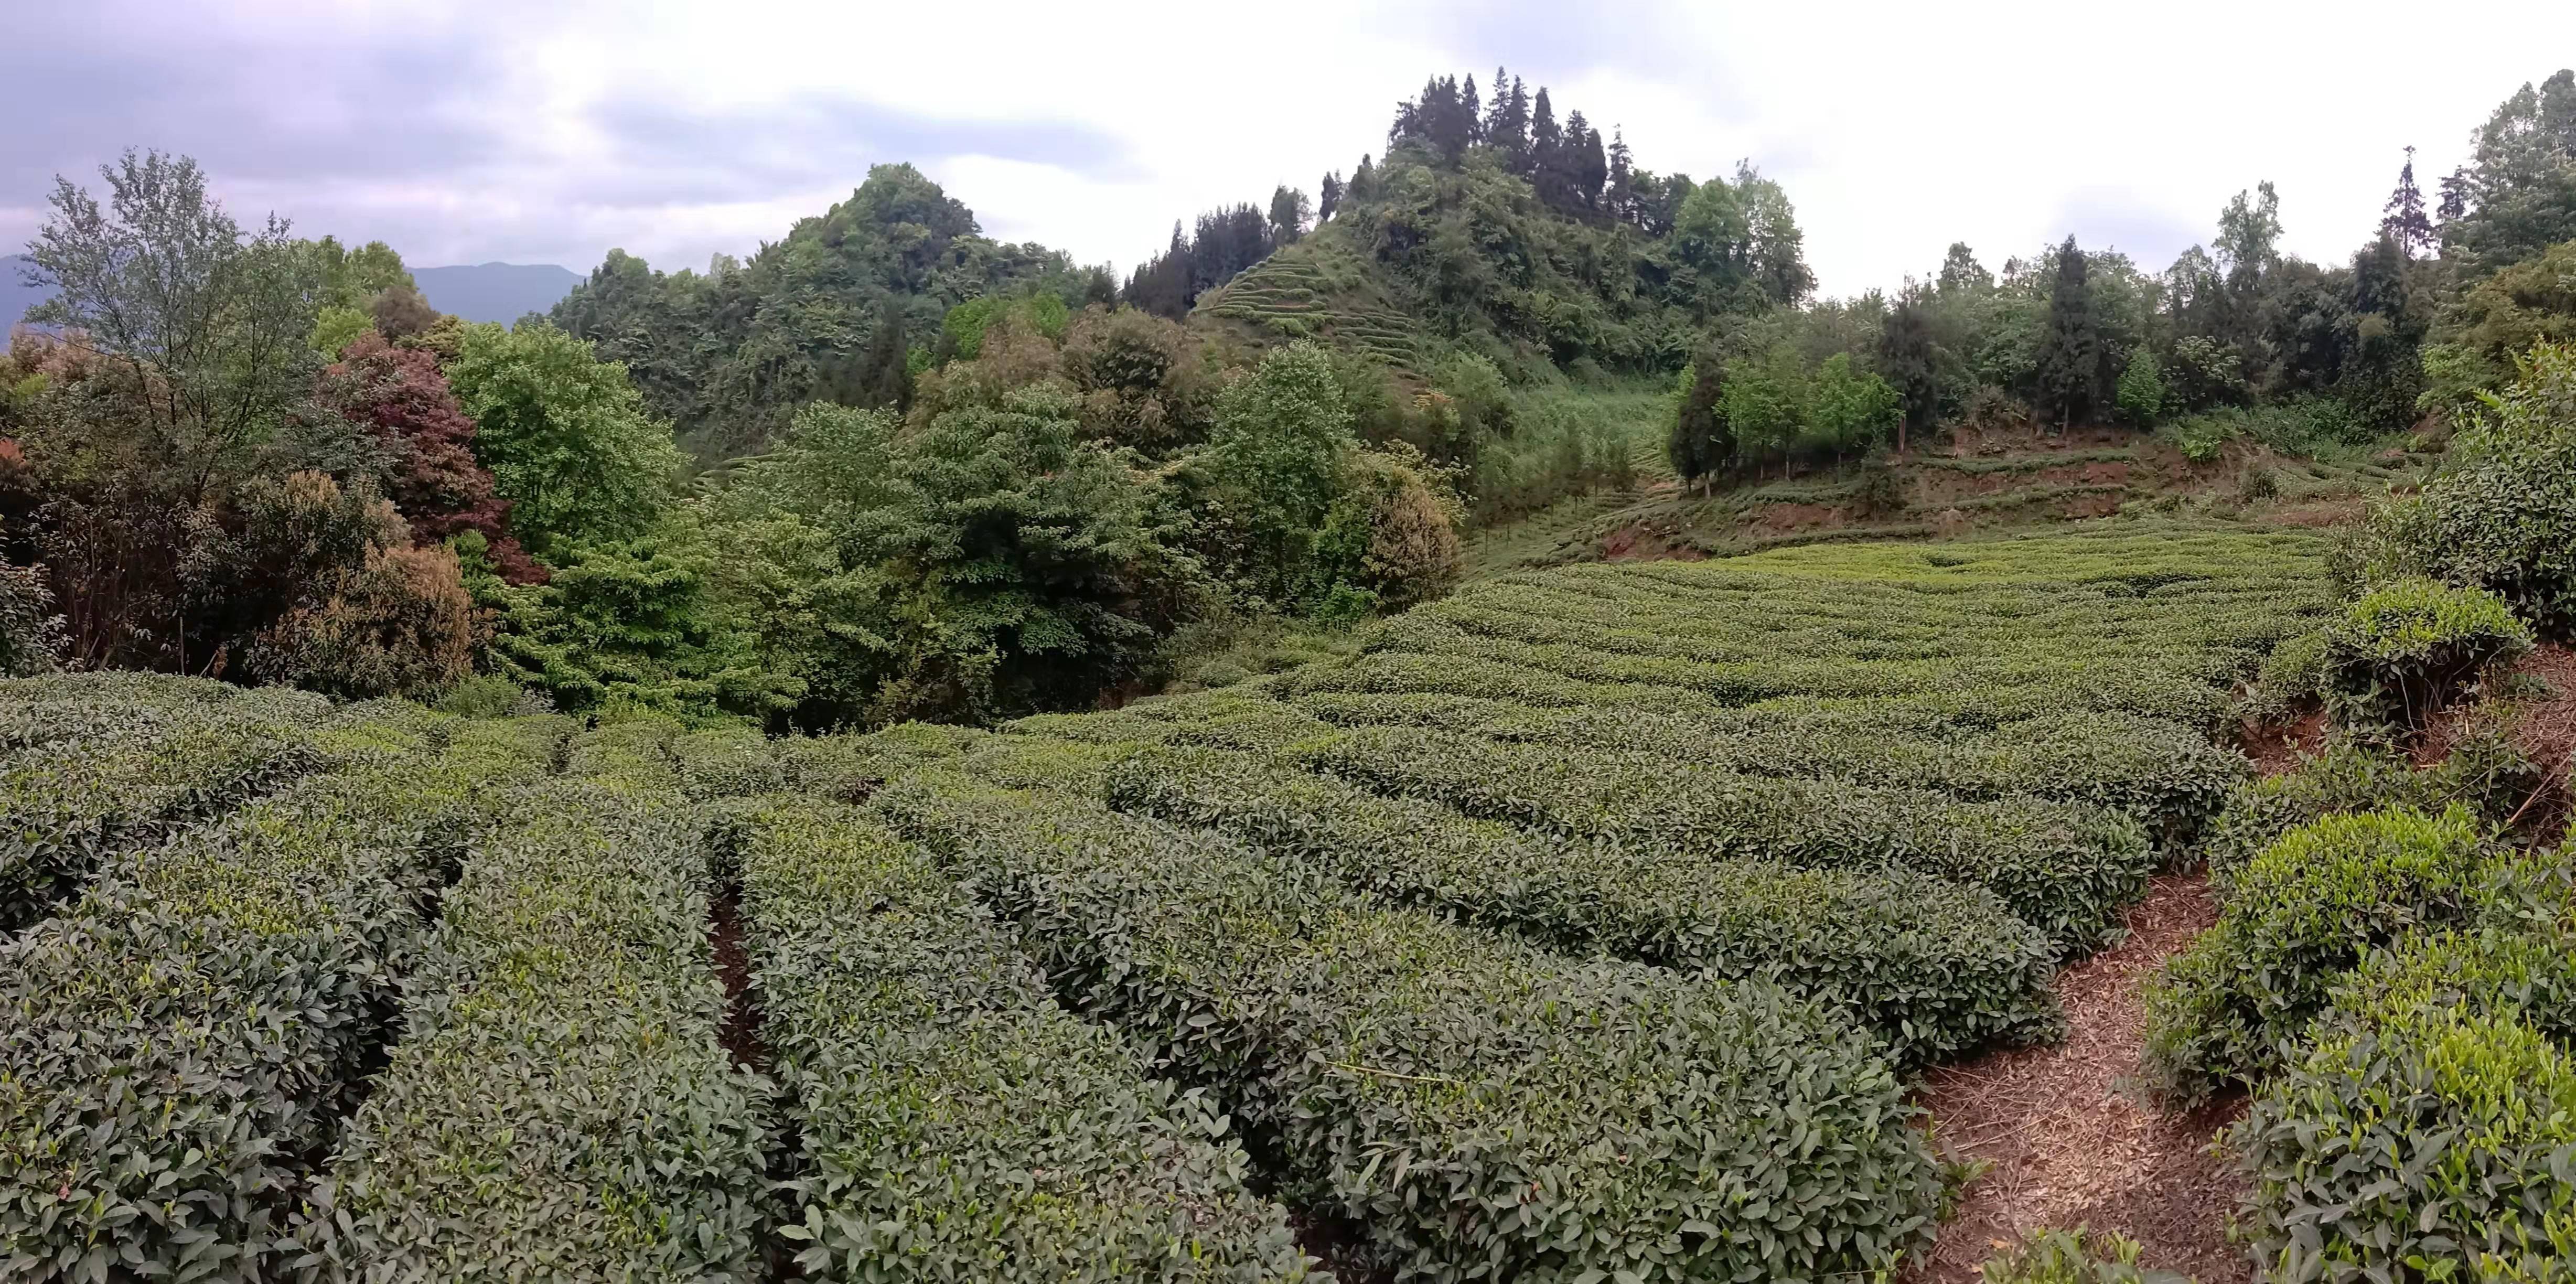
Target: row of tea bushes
[955,1123]
[2168,777]
[178,1045]
[1477,1108]
[561,1104]
[67,803]
[2064,868]
[1933,967]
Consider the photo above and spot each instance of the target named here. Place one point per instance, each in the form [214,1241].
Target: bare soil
[741,1034]
[2069,1139]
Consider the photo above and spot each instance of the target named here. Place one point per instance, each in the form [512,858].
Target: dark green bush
[2304,912]
[1933,967]
[2484,771]
[956,1124]
[1478,1108]
[2171,778]
[2404,650]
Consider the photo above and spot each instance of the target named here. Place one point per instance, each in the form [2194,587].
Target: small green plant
[2078,1256]
[2408,648]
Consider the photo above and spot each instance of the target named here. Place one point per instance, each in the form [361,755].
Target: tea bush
[2432,1126]
[179,1043]
[2404,650]
[1934,968]
[1606,1116]
[2064,868]
[955,1123]
[2307,910]
[560,1104]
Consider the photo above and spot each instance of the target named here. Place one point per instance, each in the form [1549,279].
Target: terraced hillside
[1969,484]
[1589,924]
[1312,292]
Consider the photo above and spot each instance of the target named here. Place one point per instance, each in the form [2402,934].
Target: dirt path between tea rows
[2067,1135]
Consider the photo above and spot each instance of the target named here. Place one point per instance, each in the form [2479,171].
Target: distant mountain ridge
[501,292]
[16,296]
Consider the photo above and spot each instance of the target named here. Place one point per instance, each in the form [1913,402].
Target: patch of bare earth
[2070,1141]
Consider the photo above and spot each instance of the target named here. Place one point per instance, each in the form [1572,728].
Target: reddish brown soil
[2067,1137]
[741,1033]
[2277,749]
[1777,519]
[1646,543]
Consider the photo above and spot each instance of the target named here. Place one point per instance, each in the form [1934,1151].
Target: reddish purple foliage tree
[436,482]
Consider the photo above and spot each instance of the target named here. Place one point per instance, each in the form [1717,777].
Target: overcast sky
[540,133]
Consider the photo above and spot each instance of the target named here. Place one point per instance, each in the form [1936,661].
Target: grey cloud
[271,105]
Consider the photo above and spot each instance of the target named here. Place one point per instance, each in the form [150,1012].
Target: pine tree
[1329,197]
[1586,168]
[2455,196]
[2404,221]
[1471,113]
[2070,356]
[1619,195]
[1700,442]
[1288,210]
[1363,184]
[1547,154]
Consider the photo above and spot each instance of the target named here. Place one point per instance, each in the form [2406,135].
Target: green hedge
[2064,868]
[2306,911]
[1479,1109]
[560,1105]
[1933,967]
[956,1124]
[66,805]
[179,1044]
[2171,778]
[2432,1124]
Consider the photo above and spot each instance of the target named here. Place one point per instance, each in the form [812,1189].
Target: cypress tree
[1700,441]
[2070,357]
[1547,154]
[1907,359]
[1329,197]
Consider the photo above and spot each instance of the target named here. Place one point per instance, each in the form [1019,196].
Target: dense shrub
[178,1046]
[1934,968]
[1409,1071]
[2501,513]
[2405,649]
[560,1103]
[2432,1125]
[2307,910]
[956,1124]
[400,625]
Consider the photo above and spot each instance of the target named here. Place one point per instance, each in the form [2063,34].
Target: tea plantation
[1586,926]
